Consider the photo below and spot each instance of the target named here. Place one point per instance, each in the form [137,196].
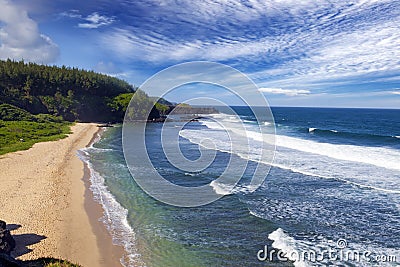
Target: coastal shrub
[49,262]
[163,109]
[12,113]
[48,118]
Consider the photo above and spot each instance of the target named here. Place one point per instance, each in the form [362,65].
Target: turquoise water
[335,176]
[171,236]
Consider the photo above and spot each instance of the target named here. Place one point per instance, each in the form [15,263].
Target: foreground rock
[8,261]
[7,242]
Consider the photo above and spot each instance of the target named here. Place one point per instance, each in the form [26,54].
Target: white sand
[42,190]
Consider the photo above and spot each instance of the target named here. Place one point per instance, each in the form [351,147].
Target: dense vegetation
[36,102]
[73,94]
[12,113]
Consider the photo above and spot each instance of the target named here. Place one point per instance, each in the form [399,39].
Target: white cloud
[320,42]
[287,92]
[308,43]
[396,92]
[156,48]
[20,37]
[94,21]
[72,14]
[367,52]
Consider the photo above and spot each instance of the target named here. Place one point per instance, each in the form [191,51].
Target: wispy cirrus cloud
[316,47]
[155,48]
[73,13]
[362,56]
[290,43]
[287,92]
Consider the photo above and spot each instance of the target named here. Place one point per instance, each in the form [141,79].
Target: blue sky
[299,53]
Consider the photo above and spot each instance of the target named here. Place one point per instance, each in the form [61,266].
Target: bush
[12,113]
[49,262]
[48,118]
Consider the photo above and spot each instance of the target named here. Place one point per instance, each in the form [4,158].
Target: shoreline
[46,202]
[110,254]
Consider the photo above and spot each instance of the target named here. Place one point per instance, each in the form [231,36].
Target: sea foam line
[115,217]
[221,189]
[367,155]
[290,142]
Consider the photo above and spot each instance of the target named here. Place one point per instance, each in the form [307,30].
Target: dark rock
[7,242]
[105,125]
[8,261]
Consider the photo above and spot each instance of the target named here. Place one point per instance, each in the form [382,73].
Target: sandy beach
[48,206]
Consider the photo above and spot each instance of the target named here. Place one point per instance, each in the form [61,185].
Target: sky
[335,53]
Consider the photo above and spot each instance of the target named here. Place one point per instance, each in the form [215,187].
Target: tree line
[71,93]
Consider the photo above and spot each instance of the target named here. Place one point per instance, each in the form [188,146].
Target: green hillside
[73,94]
[38,102]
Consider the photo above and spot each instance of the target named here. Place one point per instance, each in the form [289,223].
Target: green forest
[70,93]
[39,103]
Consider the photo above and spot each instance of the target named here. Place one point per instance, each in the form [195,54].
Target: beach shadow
[22,241]
[13,226]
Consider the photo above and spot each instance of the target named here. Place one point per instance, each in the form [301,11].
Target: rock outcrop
[8,261]
[7,242]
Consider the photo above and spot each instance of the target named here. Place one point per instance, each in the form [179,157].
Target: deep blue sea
[333,187]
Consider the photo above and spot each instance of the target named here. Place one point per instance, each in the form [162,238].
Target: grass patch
[21,135]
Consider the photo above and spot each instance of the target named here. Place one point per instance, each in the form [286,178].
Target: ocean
[331,197]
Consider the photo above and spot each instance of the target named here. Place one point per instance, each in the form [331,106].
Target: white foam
[114,216]
[294,250]
[378,156]
[311,130]
[397,136]
[308,173]
[368,167]
[287,245]
[95,149]
[97,137]
[191,174]
[212,125]
[223,189]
